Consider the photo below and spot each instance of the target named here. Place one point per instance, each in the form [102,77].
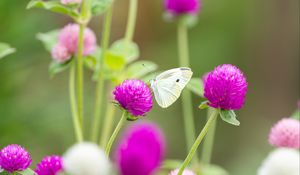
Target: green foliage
[196,86]
[54,6]
[129,51]
[296,115]
[114,62]
[48,39]
[100,6]
[203,105]
[229,116]
[28,171]
[213,170]
[140,69]
[56,67]
[5,50]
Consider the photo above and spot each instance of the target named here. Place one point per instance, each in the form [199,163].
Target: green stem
[198,141]
[131,20]
[187,106]
[76,122]
[100,76]
[209,140]
[108,124]
[115,133]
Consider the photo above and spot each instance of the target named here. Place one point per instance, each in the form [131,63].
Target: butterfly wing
[168,86]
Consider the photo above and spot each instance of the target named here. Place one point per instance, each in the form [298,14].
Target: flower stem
[108,123]
[202,134]
[187,106]
[100,76]
[115,133]
[209,140]
[131,20]
[76,122]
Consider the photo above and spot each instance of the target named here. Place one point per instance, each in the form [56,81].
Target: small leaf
[229,116]
[296,115]
[114,61]
[100,6]
[150,77]
[56,67]
[54,6]
[28,171]
[90,62]
[5,50]
[131,117]
[49,39]
[203,105]
[140,68]
[171,164]
[213,170]
[130,51]
[196,86]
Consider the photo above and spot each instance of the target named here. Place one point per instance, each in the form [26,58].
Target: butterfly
[168,85]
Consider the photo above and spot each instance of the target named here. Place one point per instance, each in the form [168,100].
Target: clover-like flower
[14,158]
[134,96]
[141,150]
[225,87]
[182,7]
[49,165]
[285,133]
[60,53]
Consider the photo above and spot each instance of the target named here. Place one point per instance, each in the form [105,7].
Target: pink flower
[68,37]
[66,2]
[60,53]
[285,133]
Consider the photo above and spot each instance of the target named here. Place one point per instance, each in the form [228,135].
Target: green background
[260,37]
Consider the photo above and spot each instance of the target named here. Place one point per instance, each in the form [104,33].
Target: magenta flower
[141,150]
[60,53]
[225,87]
[134,96]
[68,37]
[185,172]
[49,165]
[14,158]
[66,2]
[285,133]
[181,7]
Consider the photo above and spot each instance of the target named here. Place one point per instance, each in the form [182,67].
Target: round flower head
[181,7]
[14,158]
[60,53]
[68,37]
[49,165]
[225,87]
[185,172]
[282,161]
[285,133]
[86,158]
[66,2]
[134,96]
[141,150]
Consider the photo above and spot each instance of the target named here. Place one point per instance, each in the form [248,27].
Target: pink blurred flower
[66,2]
[68,37]
[185,172]
[60,53]
[181,7]
[285,133]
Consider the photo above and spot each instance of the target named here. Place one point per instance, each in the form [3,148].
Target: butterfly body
[168,85]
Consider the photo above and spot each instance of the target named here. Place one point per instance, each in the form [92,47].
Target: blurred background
[260,37]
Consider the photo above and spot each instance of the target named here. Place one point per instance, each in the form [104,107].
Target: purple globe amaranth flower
[14,158]
[68,37]
[134,96]
[141,150]
[181,7]
[49,165]
[285,133]
[225,87]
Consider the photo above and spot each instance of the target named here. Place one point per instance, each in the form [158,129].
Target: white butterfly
[168,85]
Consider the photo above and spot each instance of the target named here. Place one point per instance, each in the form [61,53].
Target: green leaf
[4,172]
[28,171]
[213,170]
[91,60]
[171,164]
[203,105]
[54,6]
[5,50]
[131,117]
[229,116]
[140,68]
[130,51]
[114,61]
[56,67]
[196,86]
[49,39]
[296,115]
[100,6]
